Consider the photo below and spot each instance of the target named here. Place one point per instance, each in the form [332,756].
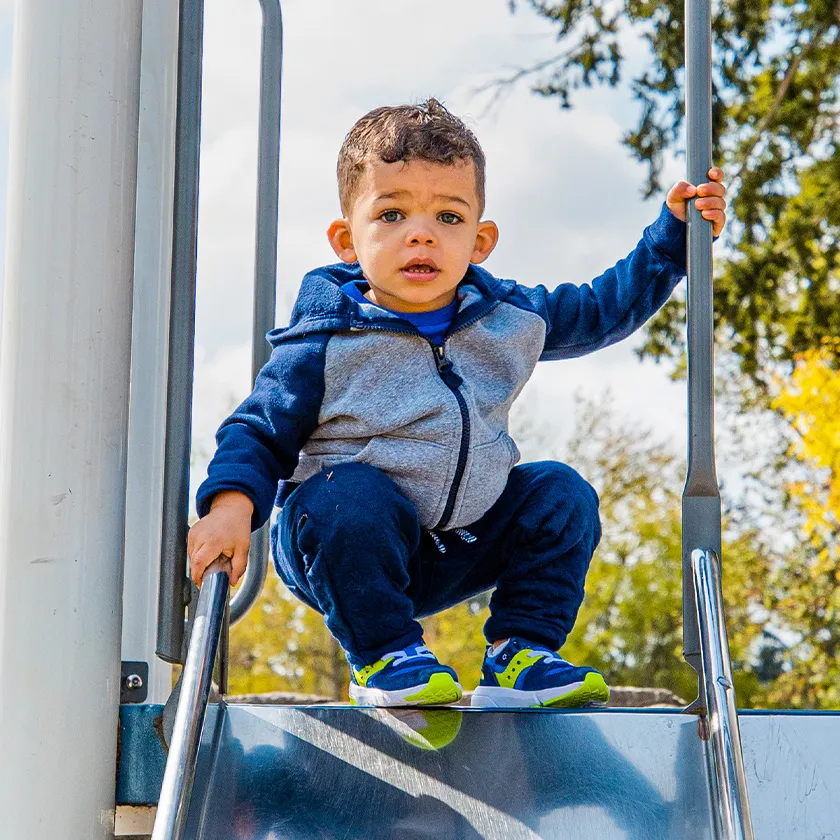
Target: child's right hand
[226,530]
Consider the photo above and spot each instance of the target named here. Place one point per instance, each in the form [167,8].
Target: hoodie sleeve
[582,319]
[258,445]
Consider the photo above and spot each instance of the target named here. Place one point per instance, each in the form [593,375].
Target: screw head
[133,682]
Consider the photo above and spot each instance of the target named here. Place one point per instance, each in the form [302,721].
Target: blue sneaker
[408,677]
[522,673]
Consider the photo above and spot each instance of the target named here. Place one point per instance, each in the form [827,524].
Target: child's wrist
[232,498]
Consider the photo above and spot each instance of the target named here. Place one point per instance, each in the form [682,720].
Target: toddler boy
[384,411]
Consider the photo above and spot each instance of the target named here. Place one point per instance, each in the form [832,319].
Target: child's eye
[450,218]
[390,216]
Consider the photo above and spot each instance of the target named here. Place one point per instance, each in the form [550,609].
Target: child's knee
[350,501]
[347,489]
[561,480]
[565,491]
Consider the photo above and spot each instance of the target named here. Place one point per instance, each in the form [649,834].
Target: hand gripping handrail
[173,804]
[265,261]
[727,779]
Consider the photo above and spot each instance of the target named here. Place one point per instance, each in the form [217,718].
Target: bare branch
[502,85]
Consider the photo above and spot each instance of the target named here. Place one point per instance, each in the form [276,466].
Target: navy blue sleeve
[258,445]
[582,319]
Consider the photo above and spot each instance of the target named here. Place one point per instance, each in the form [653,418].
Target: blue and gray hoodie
[351,382]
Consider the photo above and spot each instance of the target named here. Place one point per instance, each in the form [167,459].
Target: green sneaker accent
[594,690]
[364,674]
[434,728]
[440,689]
[521,662]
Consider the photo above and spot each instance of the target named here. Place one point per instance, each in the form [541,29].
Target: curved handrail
[173,804]
[265,262]
[727,778]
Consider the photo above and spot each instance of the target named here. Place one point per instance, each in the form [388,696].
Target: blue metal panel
[142,755]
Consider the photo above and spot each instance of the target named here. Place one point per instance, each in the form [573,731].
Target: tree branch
[768,118]
[502,84]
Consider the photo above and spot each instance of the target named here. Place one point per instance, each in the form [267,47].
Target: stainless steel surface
[727,779]
[192,705]
[224,651]
[174,590]
[134,681]
[286,773]
[701,498]
[265,260]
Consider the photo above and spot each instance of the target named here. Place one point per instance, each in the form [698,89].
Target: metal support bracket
[134,682]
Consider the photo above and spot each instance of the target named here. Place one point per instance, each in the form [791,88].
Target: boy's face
[414,228]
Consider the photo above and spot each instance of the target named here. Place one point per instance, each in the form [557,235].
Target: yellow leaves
[811,404]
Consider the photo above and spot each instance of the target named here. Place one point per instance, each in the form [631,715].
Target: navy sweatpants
[349,544]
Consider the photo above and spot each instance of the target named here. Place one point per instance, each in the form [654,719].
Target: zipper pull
[445,369]
[443,364]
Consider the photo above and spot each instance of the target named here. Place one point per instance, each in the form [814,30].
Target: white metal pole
[149,342]
[64,374]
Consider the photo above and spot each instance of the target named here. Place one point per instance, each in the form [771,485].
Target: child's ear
[485,241]
[341,239]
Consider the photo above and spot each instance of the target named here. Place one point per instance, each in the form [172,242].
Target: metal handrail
[265,260]
[173,592]
[701,506]
[728,781]
[174,586]
[173,804]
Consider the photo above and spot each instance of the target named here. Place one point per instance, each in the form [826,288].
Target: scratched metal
[318,773]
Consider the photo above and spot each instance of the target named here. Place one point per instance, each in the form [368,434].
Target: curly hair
[427,131]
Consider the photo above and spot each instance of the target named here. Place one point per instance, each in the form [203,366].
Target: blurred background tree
[631,621]
[809,596]
[775,86]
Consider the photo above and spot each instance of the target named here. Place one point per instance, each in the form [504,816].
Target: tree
[630,624]
[809,596]
[775,86]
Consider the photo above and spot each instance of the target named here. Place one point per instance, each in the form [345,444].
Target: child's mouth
[420,271]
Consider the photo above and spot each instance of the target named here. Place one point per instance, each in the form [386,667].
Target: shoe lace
[547,655]
[420,652]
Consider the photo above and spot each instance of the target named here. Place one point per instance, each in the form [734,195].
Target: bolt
[133,682]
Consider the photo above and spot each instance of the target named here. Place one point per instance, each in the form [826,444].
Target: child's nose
[421,234]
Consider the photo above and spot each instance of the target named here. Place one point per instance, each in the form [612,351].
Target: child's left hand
[710,201]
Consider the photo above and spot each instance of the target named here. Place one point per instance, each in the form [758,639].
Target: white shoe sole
[591,691]
[439,691]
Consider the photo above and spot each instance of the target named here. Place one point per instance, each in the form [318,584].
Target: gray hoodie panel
[386,405]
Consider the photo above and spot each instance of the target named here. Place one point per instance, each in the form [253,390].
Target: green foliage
[775,87]
[283,645]
[630,625]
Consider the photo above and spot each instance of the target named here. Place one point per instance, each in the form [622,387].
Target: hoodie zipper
[453,382]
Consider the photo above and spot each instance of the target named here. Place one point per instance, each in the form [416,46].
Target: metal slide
[307,773]
[311,773]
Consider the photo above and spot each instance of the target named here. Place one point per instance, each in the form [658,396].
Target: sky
[564,192]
